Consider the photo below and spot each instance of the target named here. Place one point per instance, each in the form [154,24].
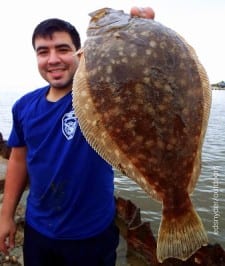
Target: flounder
[142,99]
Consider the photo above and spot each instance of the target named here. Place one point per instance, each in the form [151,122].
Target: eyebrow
[64,45]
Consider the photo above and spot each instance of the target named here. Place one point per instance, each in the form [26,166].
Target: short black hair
[47,27]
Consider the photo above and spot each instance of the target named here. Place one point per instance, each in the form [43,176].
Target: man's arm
[15,183]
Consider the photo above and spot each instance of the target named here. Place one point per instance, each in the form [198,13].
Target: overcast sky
[200,22]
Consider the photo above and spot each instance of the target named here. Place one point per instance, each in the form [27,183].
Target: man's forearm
[15,183]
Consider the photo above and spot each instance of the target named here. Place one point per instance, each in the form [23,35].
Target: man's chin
[61,85]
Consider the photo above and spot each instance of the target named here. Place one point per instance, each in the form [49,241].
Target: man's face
[57,62]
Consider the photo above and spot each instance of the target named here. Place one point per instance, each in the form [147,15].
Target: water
[209,194]
[7,98]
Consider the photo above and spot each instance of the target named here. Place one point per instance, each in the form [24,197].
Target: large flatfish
[142,99]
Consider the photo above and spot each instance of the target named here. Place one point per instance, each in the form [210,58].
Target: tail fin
[180,236]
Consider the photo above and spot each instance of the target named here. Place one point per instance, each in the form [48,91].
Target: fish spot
[86,106]
[83,93]
[130,166]
[163,45]
[148,52]
[134,107]
[146,71]
[146,80]
[169,147]
[185,111]
[145,33]
[108,79]
[99,68]
[183,82]
[117,35]
[160,144]
[94,122]
[117,153]
[163,120]
[124,60]
[133,54]
[112,61]
[129,125]
[93,72]
[153,44]
[139,138]
[109,69]
[172,141]
[162,107]
[149,143]
[121,53]
[167,88]
[117,99]
[153,160]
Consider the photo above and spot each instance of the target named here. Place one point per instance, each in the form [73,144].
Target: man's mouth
[56,72]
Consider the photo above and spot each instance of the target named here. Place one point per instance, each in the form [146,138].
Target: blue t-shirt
[71,192]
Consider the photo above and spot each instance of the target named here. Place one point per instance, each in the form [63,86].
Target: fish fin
[207,99]
[207,95]
[181,236]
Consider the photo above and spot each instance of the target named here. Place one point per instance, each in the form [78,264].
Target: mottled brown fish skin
[147,98]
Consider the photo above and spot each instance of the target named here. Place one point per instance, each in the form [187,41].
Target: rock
[15,257]
[4,149]
[141,242]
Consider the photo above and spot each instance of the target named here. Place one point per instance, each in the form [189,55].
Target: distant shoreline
[217,88]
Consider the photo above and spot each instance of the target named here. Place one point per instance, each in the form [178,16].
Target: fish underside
[143,99]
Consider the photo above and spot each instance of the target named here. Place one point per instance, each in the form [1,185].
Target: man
[70,207]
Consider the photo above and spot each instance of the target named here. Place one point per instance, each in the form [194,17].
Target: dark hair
[47,27]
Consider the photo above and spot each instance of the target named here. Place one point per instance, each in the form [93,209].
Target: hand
[145,12]
[7,234]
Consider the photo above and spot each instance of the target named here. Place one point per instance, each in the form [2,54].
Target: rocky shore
[140,244]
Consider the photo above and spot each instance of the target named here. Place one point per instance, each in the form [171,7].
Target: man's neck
[55,94]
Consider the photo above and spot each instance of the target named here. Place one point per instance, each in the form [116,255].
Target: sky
[200,22]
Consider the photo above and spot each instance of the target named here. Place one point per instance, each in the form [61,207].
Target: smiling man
[70,207]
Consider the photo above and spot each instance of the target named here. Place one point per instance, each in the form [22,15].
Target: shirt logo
[69,125]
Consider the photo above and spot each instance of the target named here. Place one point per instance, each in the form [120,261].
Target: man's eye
[63,50]
[42,52]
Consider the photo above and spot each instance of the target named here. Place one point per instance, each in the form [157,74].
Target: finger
[12,240]
[4,248]
[149,12]
[135,11]
[146,12]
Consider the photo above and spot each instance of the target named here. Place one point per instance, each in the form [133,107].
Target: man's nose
[53,57]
